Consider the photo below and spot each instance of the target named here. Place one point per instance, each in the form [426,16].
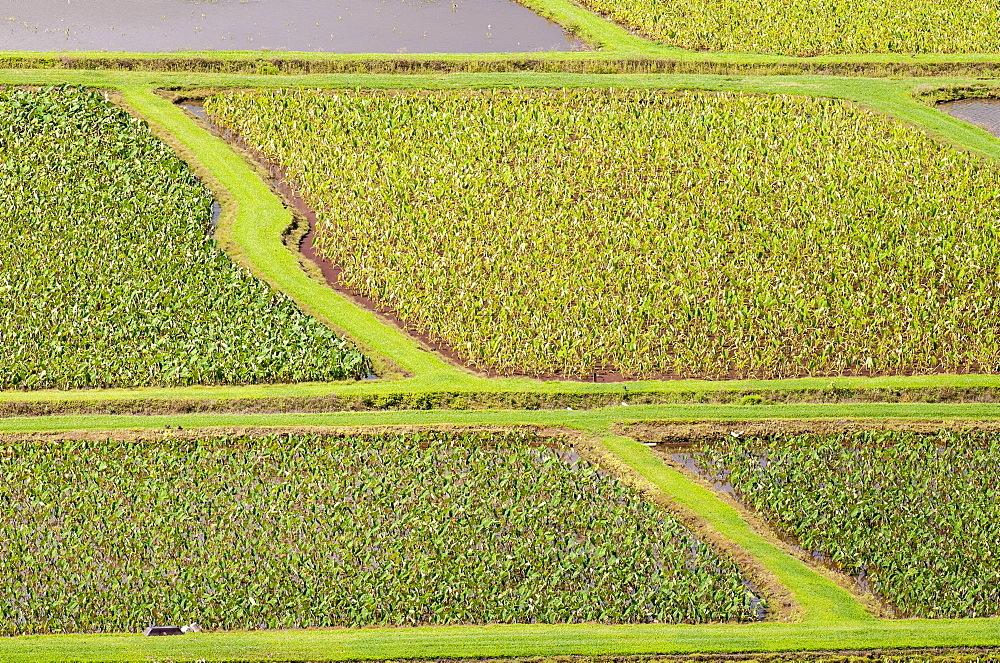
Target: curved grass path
[254,219]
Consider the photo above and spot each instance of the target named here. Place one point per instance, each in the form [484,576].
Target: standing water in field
[337,26]
[983,113]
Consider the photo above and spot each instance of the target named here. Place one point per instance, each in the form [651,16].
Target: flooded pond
[330,26]
[984,113]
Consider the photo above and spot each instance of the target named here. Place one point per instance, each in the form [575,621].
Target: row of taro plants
[648,232]
[307,531]
[108,274]
[915,516]
[803,27]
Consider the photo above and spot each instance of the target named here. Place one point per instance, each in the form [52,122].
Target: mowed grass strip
[915,515]
[299,531]
[108,274]
[646,232]
[811,27]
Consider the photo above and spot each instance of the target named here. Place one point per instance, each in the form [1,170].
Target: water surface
[333,26]
[981,112]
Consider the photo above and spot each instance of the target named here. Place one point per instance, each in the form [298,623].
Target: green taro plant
[295,531]
[646,232]
[915,516]
[108,274]
[811,27]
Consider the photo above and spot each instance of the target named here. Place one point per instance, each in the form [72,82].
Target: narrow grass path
[597,421]
[821,599]
[259,222]
[497,641]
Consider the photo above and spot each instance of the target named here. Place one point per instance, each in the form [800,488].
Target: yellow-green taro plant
[813,27]
[915,516]
[108,275]
[297,531]
[648,232]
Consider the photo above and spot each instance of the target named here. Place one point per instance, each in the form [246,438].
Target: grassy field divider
[819,597]
[475,642]
[259,221]
[594,421]
[596,30]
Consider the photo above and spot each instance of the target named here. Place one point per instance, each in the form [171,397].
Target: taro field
[917,516]
[809,27]
[295,531]
[651,233]
[108,274]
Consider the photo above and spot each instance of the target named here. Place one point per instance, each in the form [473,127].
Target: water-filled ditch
[984,113]
[331,26]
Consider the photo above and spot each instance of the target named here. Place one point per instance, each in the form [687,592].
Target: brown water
[984,113]
[332,26]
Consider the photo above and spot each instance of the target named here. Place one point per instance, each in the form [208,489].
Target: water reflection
[337,26]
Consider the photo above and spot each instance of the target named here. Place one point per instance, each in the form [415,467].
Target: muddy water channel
[984,113]
[333,26]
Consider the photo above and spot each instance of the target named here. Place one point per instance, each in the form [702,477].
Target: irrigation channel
[340,26]
[983,113]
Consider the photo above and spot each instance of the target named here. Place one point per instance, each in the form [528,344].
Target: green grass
[597,421]
[259,222]
[495,641]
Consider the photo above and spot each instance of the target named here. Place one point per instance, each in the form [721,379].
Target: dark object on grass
[162,630]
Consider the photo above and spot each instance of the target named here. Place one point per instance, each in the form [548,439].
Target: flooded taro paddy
[331,26]
[984,113]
